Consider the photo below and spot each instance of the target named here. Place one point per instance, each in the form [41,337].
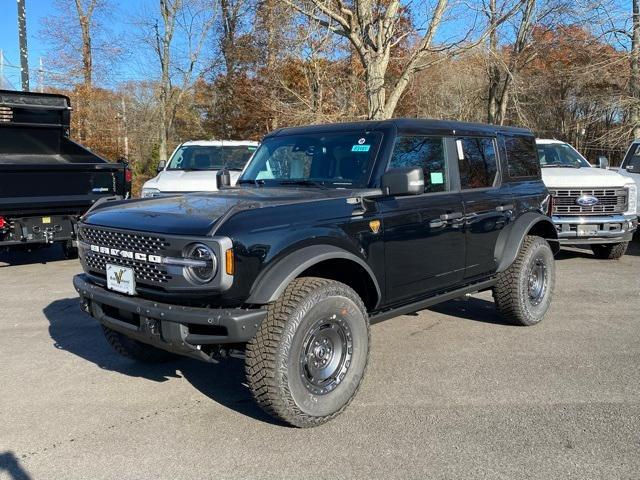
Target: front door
[423,234]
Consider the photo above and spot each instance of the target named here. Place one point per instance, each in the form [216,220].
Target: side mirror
[603,162]
[161,165]
[223,179]
[403,181]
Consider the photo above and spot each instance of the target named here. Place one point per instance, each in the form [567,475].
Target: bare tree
[374,29]
[190,22]
[634,79]
[85,16]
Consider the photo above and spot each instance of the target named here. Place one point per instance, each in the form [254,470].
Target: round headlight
[205,264]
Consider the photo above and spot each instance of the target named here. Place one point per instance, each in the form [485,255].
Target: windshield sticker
[437,178]
[360,148]
[251,149]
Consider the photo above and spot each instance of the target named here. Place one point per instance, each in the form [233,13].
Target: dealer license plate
[121,279]
[587,230]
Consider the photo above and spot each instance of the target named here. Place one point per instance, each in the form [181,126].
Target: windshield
[195,157]
[560,155]
[330,159]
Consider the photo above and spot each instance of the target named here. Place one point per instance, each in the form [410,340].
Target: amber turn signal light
[230,262]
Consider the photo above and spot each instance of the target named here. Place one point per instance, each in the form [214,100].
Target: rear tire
[305,364]
[130,348]
[523,292]
[611,251]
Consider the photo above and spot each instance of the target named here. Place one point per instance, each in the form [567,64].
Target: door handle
[504,208]
[451,216]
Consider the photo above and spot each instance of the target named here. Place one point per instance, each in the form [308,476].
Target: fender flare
[272,282]
[510,240]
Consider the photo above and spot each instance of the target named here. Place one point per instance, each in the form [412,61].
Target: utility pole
[1,69]
[124,129]
[40,77]
[22,38]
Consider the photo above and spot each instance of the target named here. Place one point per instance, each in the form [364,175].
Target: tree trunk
[634,80]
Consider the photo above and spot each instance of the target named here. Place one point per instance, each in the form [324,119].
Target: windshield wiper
[302,182]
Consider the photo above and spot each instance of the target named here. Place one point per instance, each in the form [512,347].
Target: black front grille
[609,201]
[145,272]
[137,242]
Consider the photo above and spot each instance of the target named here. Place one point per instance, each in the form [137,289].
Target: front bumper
[609,229]
[183,330]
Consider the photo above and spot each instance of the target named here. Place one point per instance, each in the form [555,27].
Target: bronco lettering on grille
[116,252]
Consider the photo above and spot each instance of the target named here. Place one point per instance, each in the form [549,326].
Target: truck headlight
[632,209]
[204,264]
[150,192]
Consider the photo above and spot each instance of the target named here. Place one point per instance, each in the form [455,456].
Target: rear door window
[426,153]
[477,161]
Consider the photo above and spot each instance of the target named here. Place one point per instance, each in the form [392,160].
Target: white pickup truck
[193,166]
[591,206]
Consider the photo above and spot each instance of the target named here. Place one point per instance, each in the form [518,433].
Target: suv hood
[581,178]
[197,213]
[170,181]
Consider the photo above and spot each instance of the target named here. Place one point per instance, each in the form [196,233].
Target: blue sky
[39,9]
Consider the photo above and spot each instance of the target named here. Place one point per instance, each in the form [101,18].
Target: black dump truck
[330,228]
[46,179]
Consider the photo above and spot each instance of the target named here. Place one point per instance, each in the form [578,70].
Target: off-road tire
[134,350]
[274,365]
[611,251]
[512,290]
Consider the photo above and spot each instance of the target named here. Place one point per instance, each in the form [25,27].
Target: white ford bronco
[591,206]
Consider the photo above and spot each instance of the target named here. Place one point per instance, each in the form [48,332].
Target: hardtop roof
[406,126]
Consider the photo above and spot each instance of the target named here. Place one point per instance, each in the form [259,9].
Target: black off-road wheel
[305,364]
[523,292]
[611,251]
[134,350]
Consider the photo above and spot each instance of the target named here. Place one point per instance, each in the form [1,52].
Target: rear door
[423,234]
[488,206]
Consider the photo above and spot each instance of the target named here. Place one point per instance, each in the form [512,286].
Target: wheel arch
[510,241]
[325,261]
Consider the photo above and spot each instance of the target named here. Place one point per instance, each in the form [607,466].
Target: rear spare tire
[523,292]
[305,364]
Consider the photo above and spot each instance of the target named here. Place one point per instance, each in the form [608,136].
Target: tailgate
[68,188]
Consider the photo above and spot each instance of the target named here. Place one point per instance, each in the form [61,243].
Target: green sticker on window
[437,178]
[360,148]
[251,149]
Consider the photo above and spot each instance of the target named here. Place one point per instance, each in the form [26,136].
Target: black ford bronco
[330,228]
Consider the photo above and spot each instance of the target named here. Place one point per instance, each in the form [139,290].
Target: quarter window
[522,157]
[478,162]
[426,153]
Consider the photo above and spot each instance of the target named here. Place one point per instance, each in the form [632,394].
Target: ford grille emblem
[587,201]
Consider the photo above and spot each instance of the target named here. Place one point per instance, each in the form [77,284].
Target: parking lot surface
[449,393]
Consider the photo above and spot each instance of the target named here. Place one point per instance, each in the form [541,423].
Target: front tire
[523,292]
[135,350]
[611,251]
[305,364]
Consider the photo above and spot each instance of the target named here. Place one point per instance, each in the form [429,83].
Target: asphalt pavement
[450,393]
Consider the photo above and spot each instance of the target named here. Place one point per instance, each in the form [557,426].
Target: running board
[426,303]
